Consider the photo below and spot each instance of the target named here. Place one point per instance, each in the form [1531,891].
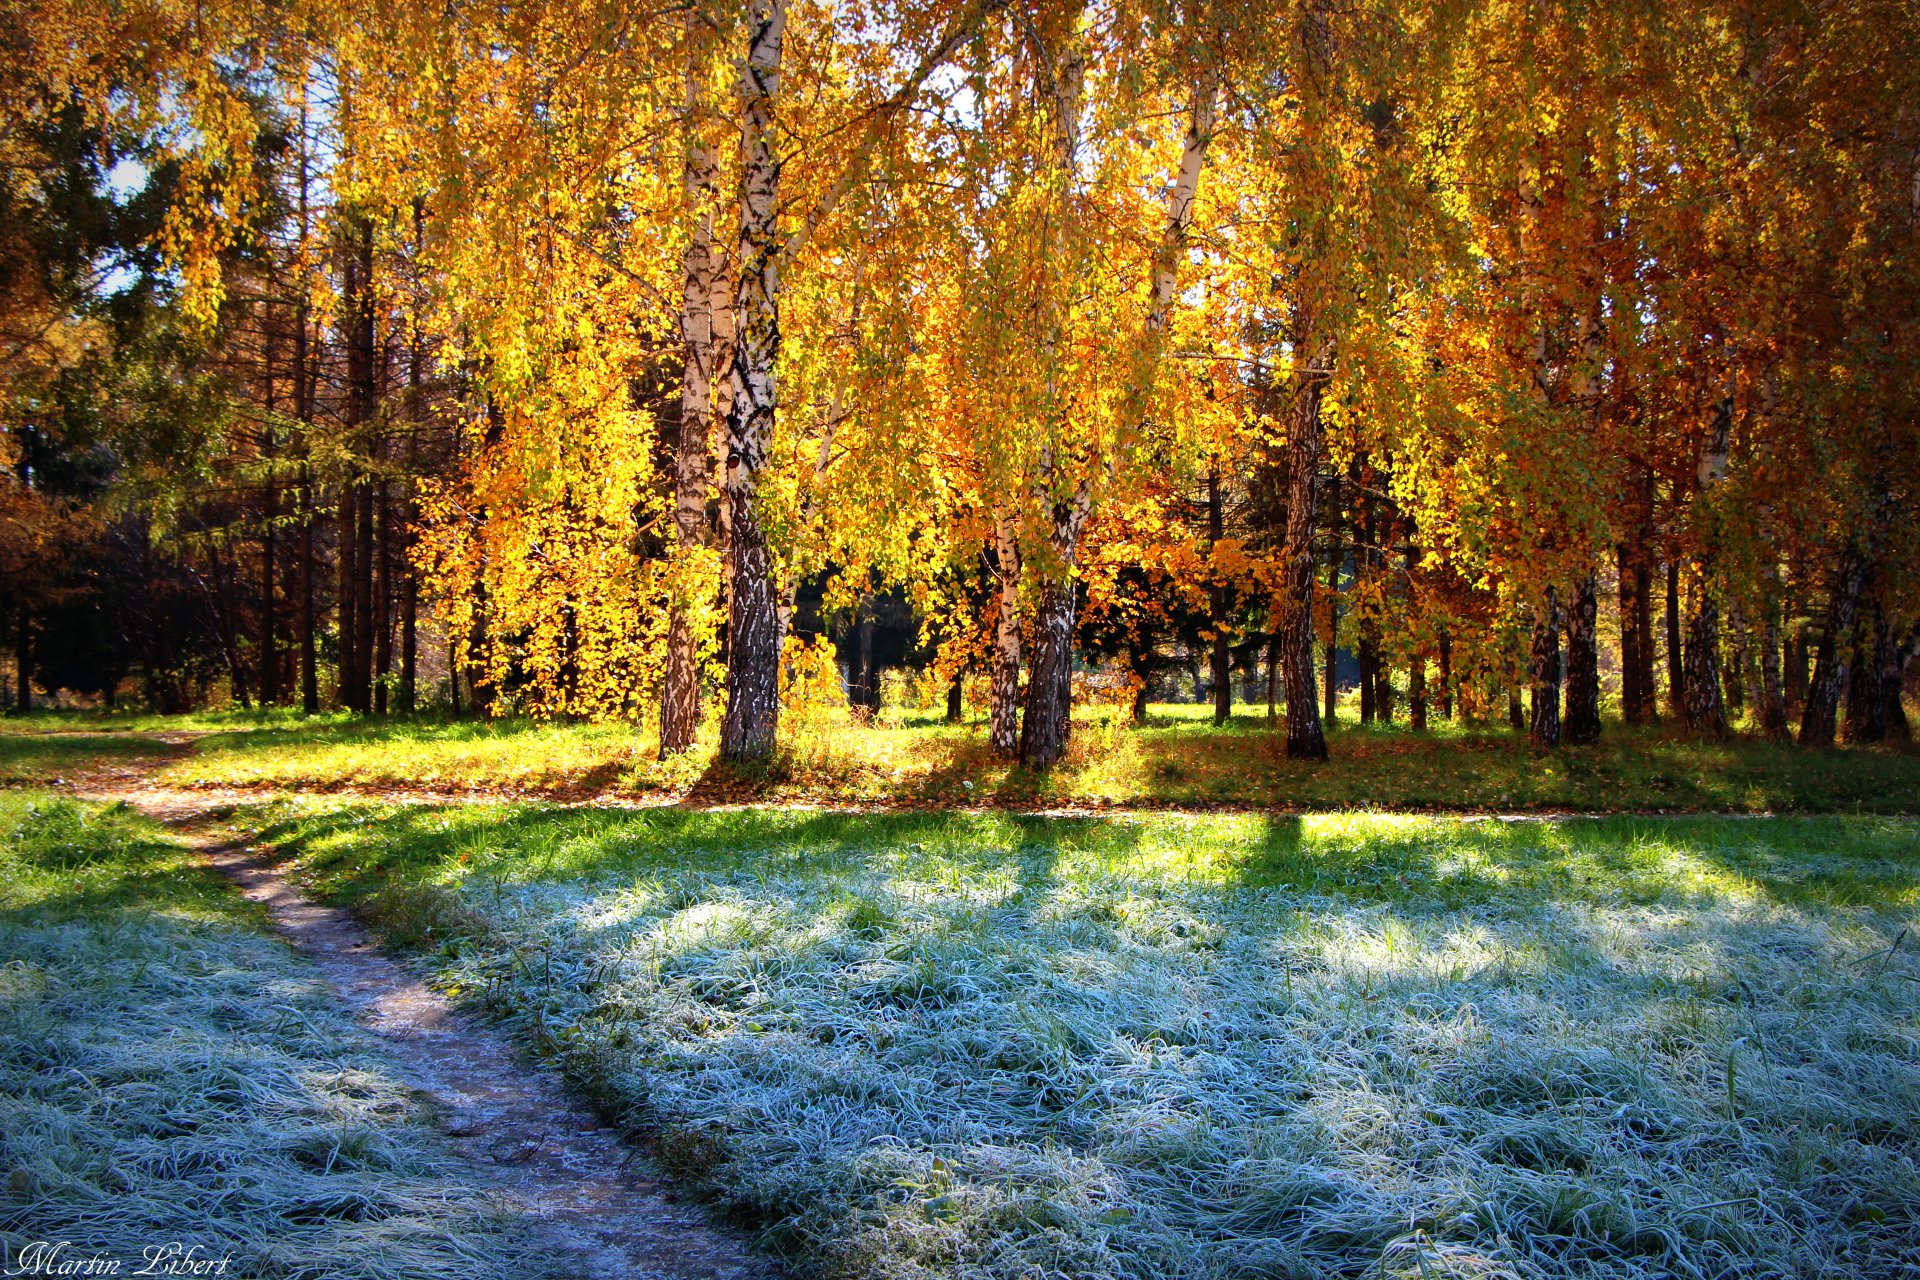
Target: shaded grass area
[1174,760]
[170,1076]
[999,1045]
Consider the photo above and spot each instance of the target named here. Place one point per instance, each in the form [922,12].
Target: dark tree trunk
[1583,666]
[1417,692]
[1048,721]
[1817,722]
[1446,676]
[366,607]
[1773,700]
[309,640]
[346,552]
[382,597]
[1706,714]
[1334,556]
[1880,674]
[1796,673]
[1306,740]
[1221,667]
[23,661]
[1544,676]
[1273,675]
[1676,697]
[1516,710]
[955,695]
[270,507]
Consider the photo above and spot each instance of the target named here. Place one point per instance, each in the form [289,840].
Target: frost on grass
[168,1074]
[1378,1048]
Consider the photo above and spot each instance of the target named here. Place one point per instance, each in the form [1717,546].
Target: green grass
[1176,759]
[993,1045]
[168,1073]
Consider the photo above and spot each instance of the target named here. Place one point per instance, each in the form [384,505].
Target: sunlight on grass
[1177,1045]
[170,1073]
[1175,760]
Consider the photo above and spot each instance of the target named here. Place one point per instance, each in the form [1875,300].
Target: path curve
[602,1208]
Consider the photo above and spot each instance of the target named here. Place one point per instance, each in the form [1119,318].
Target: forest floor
[994,1042]
[1177,760]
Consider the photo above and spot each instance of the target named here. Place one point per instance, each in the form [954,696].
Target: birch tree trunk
[1048,721]
[753,627]
[1583,666]
[1543,675]
[1818,721]
[1305,738]
[1003,711]
[1706,710]
[700,278]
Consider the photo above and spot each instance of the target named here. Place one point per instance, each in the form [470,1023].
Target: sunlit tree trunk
[701,281]
[1003,709]
[1048,720]
[1305,442]
[753,627]
[1676,698]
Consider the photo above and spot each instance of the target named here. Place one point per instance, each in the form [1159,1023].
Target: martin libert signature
[60,1258]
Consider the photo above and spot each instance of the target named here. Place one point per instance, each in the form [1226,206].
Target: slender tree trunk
[753,627]
[1003,712]
[956,692]
[1417,692]
[702,287]
[1217,604]
[1544,675]
[309,639]
[1139,658]
[346,552]
[1305,738]
[366,607]
[23,661]
[1817,722]
[1773,699]
[1516,710]
[382,596]
[1273,675]
[1583,666]
[303,379]
[1446,676]
[1796,673]
[1676,697]
[1706,712]
[1632,705]
[270,505]
[1334,556]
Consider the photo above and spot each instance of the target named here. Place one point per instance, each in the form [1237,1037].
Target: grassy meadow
[171,1073]
[1177,759]
[946,1035]
[1005,1045]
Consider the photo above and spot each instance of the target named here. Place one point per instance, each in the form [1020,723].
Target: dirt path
[605,1213]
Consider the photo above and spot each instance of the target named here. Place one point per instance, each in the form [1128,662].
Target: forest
[561,361]
[960,640]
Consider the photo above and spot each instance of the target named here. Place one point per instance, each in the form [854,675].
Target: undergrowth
[171,1076]
[994,1046]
